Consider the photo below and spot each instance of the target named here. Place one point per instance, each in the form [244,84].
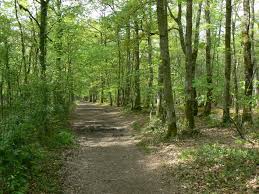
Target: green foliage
[20,153]
[24,149]
[62,139]
[153,134]
[219,168]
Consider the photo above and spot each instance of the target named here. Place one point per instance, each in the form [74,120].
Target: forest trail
[108,160]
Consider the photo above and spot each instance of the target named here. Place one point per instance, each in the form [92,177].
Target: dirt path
[107,160]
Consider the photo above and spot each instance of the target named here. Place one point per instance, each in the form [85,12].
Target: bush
[19,155]
[25,158]
[62,139]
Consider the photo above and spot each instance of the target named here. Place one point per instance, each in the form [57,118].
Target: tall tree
[150,56]
[195,56]
[189,76]
[227,99]
[195,49]
[254,58]
[208,59]
[247,110]
[165,60]
[235,64]
[137,102]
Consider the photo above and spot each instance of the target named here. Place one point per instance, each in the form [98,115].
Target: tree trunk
[159,100]
[189,69]
[165,59]
[128,76]
[1,97]
[137,102]
[119,68]
[150,58]
[247,110]
[24,64]
[42,60]
[194,57]
[227,100]
[8,74]
[208,59]
[235,63]
[254,59]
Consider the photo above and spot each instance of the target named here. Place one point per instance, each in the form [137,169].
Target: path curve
[107,160]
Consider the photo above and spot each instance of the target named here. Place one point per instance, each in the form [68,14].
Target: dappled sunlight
[107,157]
[105,142]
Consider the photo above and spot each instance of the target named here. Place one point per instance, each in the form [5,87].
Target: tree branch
[172,15]
[25,9]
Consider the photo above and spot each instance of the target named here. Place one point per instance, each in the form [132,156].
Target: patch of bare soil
[107,159]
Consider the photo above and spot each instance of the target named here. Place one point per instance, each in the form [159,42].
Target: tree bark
[24,64]
[207,110]
[226,112]
[42,60]
[159,100]
[137,102]
[194,57]
[8,73]
[235,64]
[254,59]
[150,58]
[189,69]
[128,76]
[119,68]
[165,59]
[247,110]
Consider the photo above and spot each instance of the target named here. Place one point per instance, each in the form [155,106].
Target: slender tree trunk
[151,73]
[183,43]
[159,101]
[42,60]
[59,100]
[150,57]
[24,64]
[189,69]
[137,103]
[215,55]
[194,57]
[247,110]
[227,100]
[102,89]
[8,74]
[128,75]
[1,98]
[165,59]
[254,59]
[235,63]
[208,59]
[119,68]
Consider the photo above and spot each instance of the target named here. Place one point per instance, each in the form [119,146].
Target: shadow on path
[107,160]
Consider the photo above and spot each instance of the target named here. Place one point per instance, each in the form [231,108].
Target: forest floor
[114,157]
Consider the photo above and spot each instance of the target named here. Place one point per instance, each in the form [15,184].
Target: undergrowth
[202,167]
[152,134]
[213,168]
[29,161]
